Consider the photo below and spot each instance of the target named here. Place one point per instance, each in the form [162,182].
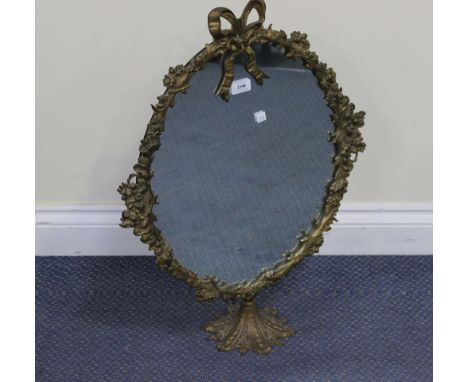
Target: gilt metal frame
[140,198]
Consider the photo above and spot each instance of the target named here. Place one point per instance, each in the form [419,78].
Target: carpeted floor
[357,318]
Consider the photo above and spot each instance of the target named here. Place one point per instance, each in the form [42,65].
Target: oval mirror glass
[238,181]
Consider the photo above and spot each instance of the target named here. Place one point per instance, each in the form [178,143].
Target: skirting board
[362,229]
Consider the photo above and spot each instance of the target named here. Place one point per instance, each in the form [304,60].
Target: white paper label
[241,86]
[260,116]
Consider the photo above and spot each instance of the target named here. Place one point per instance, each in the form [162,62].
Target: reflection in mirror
[236,189]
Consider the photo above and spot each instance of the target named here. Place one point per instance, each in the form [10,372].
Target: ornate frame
[137,192]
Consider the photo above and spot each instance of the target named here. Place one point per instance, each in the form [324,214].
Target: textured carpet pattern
[122,319]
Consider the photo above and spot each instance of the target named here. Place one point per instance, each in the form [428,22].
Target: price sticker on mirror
[240,86]
[260,116]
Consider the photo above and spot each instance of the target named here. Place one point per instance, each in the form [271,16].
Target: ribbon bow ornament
[236,40]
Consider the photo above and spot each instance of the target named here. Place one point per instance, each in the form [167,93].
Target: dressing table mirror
[242,169]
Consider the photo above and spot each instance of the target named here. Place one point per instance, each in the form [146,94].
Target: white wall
[100,64]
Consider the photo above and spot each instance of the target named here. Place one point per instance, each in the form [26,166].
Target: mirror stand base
[246,328]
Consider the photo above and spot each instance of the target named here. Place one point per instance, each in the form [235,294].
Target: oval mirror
[234,187]
[238,181]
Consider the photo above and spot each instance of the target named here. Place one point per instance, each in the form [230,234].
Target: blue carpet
[122,319]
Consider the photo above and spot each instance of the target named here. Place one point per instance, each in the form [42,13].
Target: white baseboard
[362,229]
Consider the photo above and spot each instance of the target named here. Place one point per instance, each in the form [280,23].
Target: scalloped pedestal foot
[247,328]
